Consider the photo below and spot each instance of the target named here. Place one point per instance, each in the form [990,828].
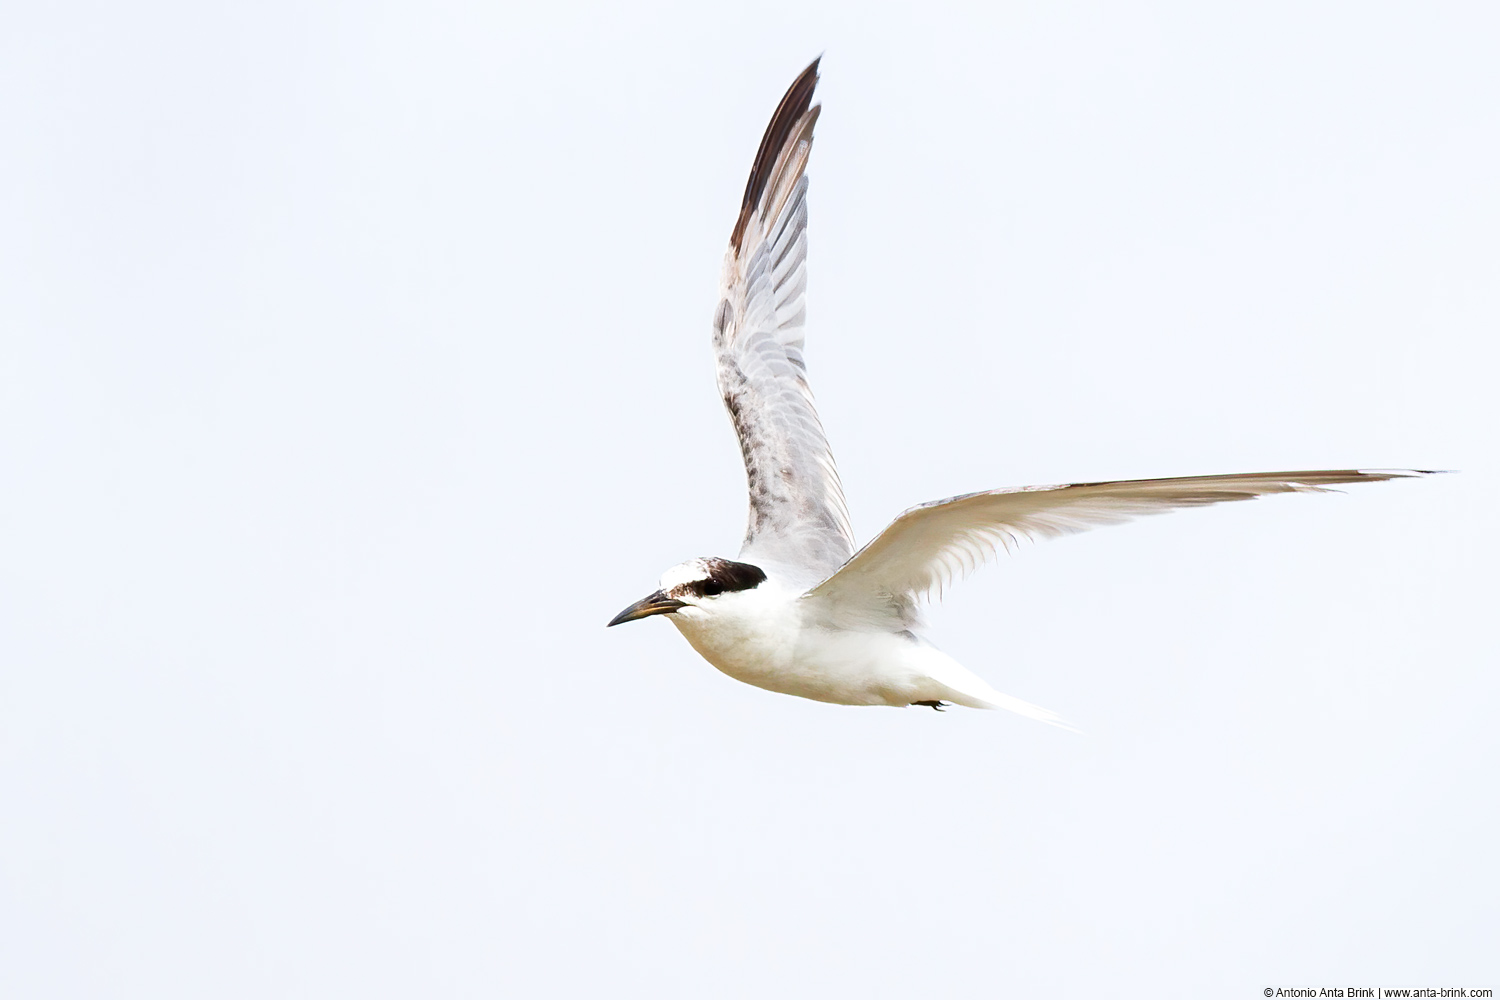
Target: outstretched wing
[929,545]
[798,519]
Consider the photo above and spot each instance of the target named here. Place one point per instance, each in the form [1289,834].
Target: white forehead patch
[689,572]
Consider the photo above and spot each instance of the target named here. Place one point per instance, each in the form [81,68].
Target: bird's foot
[936,706]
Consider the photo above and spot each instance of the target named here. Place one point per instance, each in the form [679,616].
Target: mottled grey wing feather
[798,522]
[930,545]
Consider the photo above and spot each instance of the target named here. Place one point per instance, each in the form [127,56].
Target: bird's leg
[936,706]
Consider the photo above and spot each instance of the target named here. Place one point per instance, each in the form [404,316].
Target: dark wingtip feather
[791,109]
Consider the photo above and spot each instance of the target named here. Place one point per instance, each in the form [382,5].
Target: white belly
[770,647]
[844,672]
[761,637]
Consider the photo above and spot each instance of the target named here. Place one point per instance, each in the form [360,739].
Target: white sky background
[355,371]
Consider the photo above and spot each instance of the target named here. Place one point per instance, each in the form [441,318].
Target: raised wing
[798,520]
[930,545]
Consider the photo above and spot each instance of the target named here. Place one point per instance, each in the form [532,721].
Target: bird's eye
[712,588]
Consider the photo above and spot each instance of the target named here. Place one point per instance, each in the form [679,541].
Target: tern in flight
[800,611]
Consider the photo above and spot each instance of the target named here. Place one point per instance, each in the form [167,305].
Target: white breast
[762,637]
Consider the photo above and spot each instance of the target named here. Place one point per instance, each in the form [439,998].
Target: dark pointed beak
[655,604]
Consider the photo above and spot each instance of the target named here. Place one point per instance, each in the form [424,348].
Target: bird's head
[697,583]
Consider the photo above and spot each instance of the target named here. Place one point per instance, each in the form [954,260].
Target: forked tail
[965,688]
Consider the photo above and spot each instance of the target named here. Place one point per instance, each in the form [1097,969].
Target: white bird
[800,611]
